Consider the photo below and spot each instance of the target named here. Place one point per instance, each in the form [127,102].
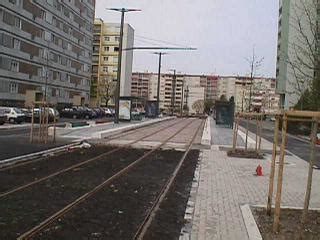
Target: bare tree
[107,90]
[303,53]
[198,106]
[254,64]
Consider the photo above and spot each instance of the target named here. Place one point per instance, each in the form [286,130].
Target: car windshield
[18,110]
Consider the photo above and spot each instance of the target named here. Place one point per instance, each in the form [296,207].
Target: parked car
[100,112]
[87,113]
[71,113]
[14,115]
[108,112]
[28,114]
[3,117]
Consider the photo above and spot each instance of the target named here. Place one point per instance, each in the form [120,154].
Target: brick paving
[221,135]
[227,183]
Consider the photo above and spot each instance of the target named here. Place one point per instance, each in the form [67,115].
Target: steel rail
[164,191]
[32,232]
[16,189]
[107,139]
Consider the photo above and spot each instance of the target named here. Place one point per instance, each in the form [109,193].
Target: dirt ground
[117,211]
[170,218]
[239,153]
[25,209]
[17,176]
[290,227]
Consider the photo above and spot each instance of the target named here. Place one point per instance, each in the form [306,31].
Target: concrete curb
[61,131]
[286,207]
[206,135]
[251,225]
[13,127]
[14,160]
[106,133]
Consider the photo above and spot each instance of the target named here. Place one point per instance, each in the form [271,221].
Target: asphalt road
[15,142]
[301,148]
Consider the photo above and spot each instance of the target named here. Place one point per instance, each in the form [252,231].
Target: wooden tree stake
[273,166]
[310,173]
[276,222]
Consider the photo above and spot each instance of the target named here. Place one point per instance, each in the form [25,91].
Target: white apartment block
[291,45]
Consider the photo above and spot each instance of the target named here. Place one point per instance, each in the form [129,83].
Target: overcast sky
[223,31]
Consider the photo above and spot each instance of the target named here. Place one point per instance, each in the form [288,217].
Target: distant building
[105,61]
[226,87]
[187,90]
[140,86]
[291,43]
[45,49]
[212,88]
[262,90]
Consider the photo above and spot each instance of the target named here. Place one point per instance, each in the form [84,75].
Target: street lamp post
[159,77]
[173,95]
[117,97]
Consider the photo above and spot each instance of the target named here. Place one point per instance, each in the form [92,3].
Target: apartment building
[140,85]
[173,92]
[153,88]
[294,49]
[212,87]
[259,93]
[105,60]
[226,87]
[188,89]
[45,49]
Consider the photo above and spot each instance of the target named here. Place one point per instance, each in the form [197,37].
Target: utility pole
[182,98]
[159,85]
[173,95]
[123,11]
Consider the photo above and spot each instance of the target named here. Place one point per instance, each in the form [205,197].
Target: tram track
[83,198]
[95,158]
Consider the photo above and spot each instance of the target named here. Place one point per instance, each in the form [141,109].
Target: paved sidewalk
[221,135]
[227,183]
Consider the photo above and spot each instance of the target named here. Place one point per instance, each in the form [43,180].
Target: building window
[115,59]
[105,69]
[14,2]
[117,39]
[13,87]
[48,17]
[14,66]
[16,44]
[116,49]
[107,39]
[47,36]
[106,59]
[106,49]
[17,22]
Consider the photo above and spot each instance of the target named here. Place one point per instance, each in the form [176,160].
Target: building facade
[187,90]
[140,85]
[258,94]
[45,50]
[295,68]
[105,61]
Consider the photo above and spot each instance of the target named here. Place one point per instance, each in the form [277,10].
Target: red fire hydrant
[259,170]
